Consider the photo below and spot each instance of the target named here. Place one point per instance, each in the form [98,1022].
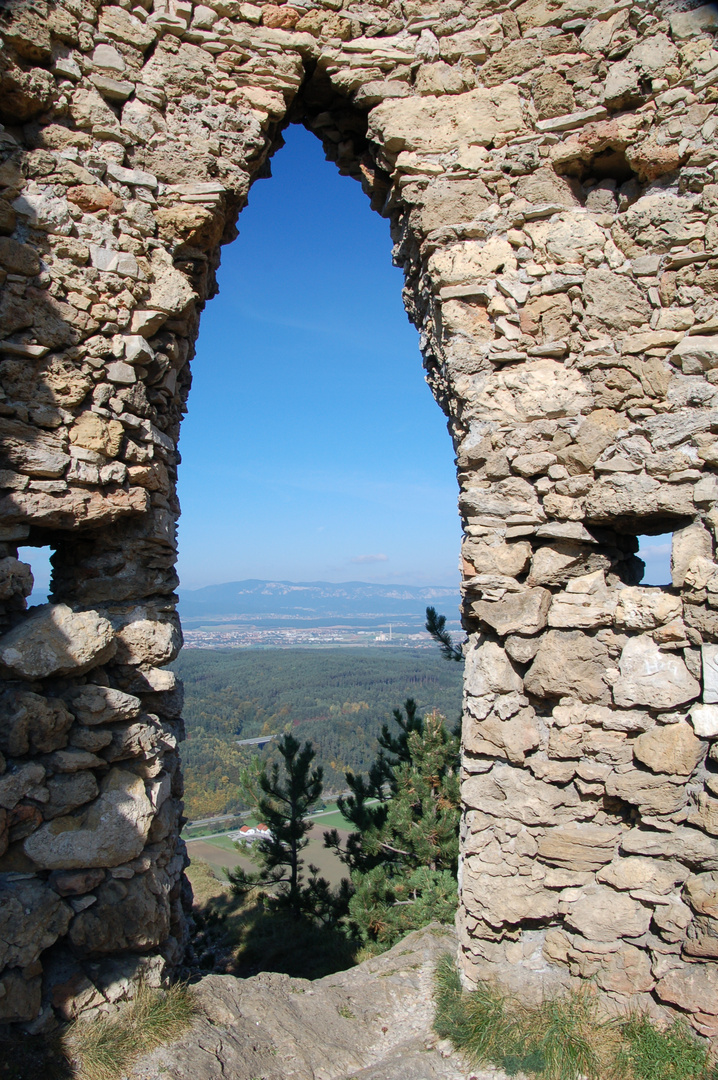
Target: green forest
[337,698]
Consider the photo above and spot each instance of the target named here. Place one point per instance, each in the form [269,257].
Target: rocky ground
[372,1022]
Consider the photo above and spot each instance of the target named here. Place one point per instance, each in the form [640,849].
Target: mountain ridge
[301,599]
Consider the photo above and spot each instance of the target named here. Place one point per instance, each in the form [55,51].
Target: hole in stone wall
[656,554]
[308,401]
[39,560]
[605,182]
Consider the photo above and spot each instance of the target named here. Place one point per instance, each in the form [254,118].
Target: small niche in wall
[656,554]
[39,560]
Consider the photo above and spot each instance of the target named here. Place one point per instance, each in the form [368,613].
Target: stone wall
[549,169]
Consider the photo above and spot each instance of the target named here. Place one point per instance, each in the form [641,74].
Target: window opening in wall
[313,450]
[318,493]
[656,554]
[39,560]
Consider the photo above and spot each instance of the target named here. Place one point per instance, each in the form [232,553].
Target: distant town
[254,637]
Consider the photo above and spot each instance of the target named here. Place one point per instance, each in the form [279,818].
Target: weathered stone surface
[102,705]
[669,748]
[569,663]
[32,917]
[111,831]
[602,914]
[55,640]
[651,794]
[127,915]
[649,875]
[688,845]
[488,670]
[691,987]
[581,847]
[32,723]
[651,677]
[645,609]
[435,125]
[524,611]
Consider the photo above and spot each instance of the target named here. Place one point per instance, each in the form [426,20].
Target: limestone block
[693,542]
[569,664]
[446,202]
[569,238]
[672,919]
[705,814]
[645,609]
[586,610]
[701,892]
[102,704]
[435,125]
[627,971]
[692,987]
[145,638]
[651,677]
[512,738]
[132,914]
[32,723]
[651,794]
[67,792]
[560,561]
[471,260]
[696,354]
[20,995]
[709,654]
[508,792]
[535,390]
[95,433]
[602,914]
[32,917]
[637,872]
[669,748]
[34,452]
[509,559]
[702,938]
[501,900]
[112,830]
[122,26]
[524,611]
[578,847]
[55,640]
[615,300]
[488,670]
[16,784]
[171,292]
[686,24]
[705,720]
[637,496]
[682,842]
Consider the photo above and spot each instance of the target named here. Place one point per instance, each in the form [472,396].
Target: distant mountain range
[308,601]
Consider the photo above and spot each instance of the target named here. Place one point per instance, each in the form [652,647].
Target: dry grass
[564,1038]
[106,1049]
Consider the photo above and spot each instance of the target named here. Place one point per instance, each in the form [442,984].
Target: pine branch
[436,626]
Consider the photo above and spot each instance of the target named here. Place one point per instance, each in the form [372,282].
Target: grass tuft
[563,1038]
[105,1049]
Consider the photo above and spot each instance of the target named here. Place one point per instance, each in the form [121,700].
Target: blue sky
[313,448]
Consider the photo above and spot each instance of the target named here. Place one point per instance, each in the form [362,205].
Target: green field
[220,853]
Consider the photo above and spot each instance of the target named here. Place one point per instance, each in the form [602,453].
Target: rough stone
[112,830]
[651,677]
[669,748]
[55,640]
[602,914]
[569,663]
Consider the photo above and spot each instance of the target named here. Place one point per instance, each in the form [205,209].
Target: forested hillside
[338,698]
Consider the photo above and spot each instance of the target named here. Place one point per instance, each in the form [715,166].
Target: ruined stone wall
[549,168]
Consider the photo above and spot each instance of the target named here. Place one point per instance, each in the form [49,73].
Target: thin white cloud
[363,559]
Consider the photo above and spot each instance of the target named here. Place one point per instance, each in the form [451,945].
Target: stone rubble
[550,174]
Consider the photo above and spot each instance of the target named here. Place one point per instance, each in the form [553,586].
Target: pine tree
[284,802]
[403,855]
